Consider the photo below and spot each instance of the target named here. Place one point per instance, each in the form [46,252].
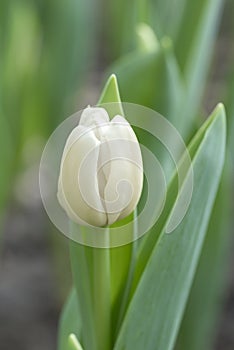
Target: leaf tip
[220,108]
[73,342]
[111,95]
[219,112]
[147,40]
[111,90]
[112,81]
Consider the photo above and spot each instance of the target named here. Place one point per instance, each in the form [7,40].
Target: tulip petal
[79,182]
[125,178]
[93,116]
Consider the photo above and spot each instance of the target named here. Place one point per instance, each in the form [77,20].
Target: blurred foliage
[46,53]
[161,52]
[47,50]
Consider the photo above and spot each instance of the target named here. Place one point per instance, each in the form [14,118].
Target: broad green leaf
[156,308]
[73,343]
[194,48]
[211,274]
[148,241]
[70,321]
[196,332]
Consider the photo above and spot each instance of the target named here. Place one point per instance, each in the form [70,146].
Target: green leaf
[156,308]
[194,49]
[196,332]
[195,39]
[212,269]
[148,241]
[193,42]
[73,343]
[111,97]
[70,321]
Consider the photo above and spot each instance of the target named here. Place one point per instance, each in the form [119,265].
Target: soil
[28,308]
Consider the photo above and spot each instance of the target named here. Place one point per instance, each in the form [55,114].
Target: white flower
[101,174]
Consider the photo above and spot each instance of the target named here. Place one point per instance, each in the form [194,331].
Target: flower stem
[91,273]
[101,297]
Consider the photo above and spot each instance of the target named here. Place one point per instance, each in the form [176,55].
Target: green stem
[91,273]
[101,297]
[131,268]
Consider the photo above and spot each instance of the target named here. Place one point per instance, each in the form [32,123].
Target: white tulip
[101,174]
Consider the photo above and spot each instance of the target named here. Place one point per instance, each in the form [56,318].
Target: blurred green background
[175,56]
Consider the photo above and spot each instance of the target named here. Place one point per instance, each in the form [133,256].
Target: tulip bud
[101,174]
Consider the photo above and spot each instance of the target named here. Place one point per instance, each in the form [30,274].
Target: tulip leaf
[157,305]
[197,333]
[194,48]
[212,269]
[73,343]
[70,321]
[111,97]
[148,241]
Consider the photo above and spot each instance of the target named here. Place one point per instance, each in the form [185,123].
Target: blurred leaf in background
[6,161]
[47,51]
[179,80]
